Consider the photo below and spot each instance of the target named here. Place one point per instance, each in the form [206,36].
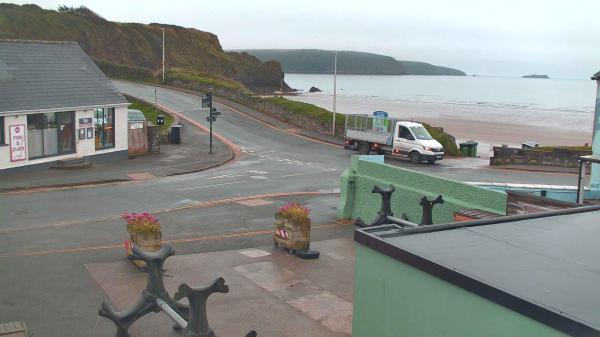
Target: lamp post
[595,176]
[163,55]
[334,90]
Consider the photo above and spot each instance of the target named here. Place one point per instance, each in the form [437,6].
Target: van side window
[403,132]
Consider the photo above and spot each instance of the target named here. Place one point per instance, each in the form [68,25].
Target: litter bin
[469,148]
[176,134]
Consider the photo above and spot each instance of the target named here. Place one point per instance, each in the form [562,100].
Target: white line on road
[235,174]
[207,186]
[225,176]
[299,174]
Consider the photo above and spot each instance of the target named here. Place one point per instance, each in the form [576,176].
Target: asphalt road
[46,238]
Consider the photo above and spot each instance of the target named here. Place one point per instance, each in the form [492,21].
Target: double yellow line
[212,237]
[200,204]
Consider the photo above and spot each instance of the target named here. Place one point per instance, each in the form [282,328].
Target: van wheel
[415,157]
[364,148]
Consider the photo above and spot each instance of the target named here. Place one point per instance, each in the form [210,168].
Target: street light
[163,55]
[334,90]
[595,176]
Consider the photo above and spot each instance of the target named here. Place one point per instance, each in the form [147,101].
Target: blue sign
[380,122]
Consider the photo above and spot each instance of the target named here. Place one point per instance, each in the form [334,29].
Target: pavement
[189,156]
[50,238]
[270,291]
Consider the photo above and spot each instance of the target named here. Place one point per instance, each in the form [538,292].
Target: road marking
[198,204]
[211,237]
[225,176]
[300,174]
[215,185]
[236,174]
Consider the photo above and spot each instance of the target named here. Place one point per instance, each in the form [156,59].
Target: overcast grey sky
[500,37]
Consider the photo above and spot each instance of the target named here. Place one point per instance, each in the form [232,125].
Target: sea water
[557,103]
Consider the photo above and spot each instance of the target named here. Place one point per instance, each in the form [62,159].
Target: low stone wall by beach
[562,157]
[267,108]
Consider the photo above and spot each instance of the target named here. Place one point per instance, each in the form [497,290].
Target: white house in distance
[56,104]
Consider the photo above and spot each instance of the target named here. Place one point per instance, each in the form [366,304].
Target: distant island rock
[536,76]
[319,61]
[314,89]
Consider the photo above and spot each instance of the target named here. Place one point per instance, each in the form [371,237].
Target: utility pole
[210,119]
[334,90]
[163,56]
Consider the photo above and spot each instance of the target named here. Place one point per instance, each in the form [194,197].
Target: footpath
[189,156]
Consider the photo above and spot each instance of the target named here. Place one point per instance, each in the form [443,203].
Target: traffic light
[207,101]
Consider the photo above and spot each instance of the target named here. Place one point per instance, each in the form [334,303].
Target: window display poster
[90,133]
[81,134]
[18,147]
[85,122]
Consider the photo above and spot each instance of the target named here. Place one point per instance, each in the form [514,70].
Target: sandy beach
[487,125]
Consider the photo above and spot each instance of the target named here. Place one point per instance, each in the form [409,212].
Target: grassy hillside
[133,50]
[317,61]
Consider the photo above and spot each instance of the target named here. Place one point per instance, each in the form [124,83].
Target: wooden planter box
[149,242]
[291,234]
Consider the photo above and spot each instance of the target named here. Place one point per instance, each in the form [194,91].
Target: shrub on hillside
[447,140]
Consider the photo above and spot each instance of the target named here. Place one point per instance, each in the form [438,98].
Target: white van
[367,134]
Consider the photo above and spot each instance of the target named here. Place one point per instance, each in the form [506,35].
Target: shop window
[104,122]
[50,134]
[2,132]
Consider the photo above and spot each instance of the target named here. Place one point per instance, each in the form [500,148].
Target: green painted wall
[392,299]
[356,199]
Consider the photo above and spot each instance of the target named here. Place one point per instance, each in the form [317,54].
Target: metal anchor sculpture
[385,215]
[427,218]
[386,207]
[191,318]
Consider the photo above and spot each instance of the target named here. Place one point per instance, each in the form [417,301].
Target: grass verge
[150,112]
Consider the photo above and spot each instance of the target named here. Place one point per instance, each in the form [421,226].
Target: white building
[55,104]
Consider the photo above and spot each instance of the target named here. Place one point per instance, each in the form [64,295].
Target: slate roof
[545,267]
[51,75]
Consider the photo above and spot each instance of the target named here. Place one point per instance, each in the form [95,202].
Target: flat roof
[545,266]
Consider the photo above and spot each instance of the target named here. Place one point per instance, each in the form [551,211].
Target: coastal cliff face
[134,51]
[317,61]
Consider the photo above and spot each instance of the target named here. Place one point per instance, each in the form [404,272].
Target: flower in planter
[141,223]
[294,212]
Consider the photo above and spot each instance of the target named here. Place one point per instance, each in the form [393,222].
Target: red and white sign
[18,146]
[282,233]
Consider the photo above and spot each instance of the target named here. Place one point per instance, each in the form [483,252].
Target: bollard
[191,319]
[427,217]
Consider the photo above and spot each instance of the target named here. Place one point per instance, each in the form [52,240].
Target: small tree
[81,11]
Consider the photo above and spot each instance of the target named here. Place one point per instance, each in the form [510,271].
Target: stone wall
[356,199]
[557,157]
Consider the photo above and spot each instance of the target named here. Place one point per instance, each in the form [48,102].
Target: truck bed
[369,136]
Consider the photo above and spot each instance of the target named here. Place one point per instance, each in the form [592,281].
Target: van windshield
[420,133]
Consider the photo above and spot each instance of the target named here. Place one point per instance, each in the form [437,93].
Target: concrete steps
[72,164]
